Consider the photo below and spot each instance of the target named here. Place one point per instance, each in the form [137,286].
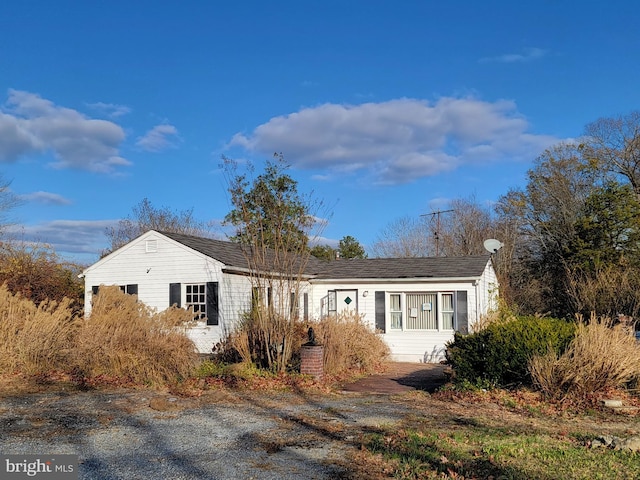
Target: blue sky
[383,109]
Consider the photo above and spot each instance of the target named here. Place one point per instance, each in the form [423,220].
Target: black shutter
[462,309]
[294,306]
[132,289]
[174,294]
[306,307]
[213,312]
[381,312]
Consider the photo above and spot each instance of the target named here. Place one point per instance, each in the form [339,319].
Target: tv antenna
[492,245]
[436,234]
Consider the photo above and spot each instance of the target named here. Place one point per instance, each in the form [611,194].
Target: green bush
[499,354]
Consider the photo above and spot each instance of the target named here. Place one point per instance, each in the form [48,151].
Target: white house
[415,303]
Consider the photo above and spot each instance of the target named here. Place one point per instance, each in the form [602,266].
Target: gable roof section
[230,253]
[421,267]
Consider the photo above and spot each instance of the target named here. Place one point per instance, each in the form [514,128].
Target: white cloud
[112,110]
[331,242]
[399,140]
[159,138]
[30,124]
[526,56]
[77,240]
[46,198]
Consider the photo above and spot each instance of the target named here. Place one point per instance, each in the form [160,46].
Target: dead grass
[124,338]
[602,357]
[34,339]
[350,344]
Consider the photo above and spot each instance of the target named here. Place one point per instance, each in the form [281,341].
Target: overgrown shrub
[35,339]
[124,338]
[603,355]
[499,354]
[350,345]
[38,274]
[265,339]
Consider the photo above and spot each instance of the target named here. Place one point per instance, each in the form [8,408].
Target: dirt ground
[233,434]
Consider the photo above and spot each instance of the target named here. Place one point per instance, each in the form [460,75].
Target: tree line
[571,235]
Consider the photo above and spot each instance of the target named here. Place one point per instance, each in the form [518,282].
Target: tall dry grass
[35,339]
[121,339]
[265,338]
[124,338]
[350,345]
[603,355]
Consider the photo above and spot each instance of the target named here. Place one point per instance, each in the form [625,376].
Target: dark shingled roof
[233,255]
[230,253]
[421,267]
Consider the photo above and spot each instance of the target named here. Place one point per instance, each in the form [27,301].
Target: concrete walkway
[401,377]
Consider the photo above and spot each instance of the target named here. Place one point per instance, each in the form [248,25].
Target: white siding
[171,263]
[412,345]
[153,269]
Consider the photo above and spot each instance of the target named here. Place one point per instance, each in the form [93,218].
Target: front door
[346,301]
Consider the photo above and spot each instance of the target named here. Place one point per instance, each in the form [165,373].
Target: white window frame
[403,310]
[443,311]
[396,312]
[196,300]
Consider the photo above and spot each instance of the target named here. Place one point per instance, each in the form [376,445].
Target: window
[261,297]
[294,305]
[256,298]
[331,303]
[447,311]
[203,298]
[395,308]
[196,299]
[131,289]
[422,311]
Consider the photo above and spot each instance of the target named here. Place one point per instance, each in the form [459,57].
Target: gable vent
[151,246]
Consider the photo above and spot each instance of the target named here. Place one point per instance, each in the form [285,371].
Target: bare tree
[545,215]
[404,237]
[146,217]
[8,201]
[612,146]
[463,230]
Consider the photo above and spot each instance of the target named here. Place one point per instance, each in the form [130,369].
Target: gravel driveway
[220,435]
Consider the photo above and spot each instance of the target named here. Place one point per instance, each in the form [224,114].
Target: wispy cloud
[159,138]
[45,198]
[73,239]
[527,55]
[111,110]
[30,124]
[400,140]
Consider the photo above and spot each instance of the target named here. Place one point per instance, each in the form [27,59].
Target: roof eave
[252,272]
[396,279]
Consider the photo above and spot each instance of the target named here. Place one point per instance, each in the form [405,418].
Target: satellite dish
[492,245]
